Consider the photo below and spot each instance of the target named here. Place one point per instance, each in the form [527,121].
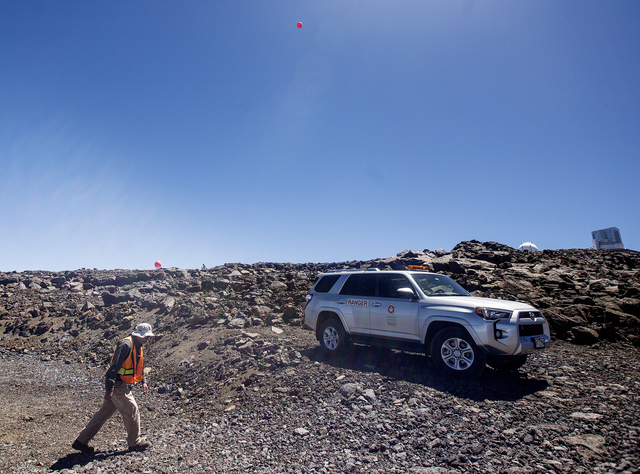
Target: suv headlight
[489,314]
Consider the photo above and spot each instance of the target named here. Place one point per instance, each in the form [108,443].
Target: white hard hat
[143,330]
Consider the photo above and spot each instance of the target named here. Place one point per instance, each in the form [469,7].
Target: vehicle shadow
[79,459]
[418,369]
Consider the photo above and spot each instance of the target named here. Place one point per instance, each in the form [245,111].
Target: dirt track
[575,410]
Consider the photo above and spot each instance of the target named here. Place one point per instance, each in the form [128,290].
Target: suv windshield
[438,285]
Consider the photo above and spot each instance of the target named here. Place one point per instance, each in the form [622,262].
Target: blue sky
[207,132]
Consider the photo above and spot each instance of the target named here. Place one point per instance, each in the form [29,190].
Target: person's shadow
[79,459]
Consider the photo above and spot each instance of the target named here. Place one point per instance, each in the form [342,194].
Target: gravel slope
[570,409]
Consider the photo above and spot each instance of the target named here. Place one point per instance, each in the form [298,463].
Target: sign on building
[607,239]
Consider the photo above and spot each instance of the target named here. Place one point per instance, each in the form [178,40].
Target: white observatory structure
[607,239]
[530,246]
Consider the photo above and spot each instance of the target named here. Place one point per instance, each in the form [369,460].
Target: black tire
[332,337]
[454,354]
[506,363]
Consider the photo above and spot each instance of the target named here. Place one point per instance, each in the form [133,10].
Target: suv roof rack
[354,270]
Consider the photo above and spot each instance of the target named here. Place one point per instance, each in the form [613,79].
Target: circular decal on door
[391,309]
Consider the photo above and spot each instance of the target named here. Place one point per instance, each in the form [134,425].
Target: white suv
[420,311]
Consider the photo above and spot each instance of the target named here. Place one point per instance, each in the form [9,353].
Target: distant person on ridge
[126,369]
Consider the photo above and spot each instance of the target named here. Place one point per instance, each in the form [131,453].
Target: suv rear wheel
[332,337]
[454,353]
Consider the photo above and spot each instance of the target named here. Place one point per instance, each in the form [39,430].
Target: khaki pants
[122,401]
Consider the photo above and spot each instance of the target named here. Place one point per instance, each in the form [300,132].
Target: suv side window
[388,285]
[359,285]
[326,283]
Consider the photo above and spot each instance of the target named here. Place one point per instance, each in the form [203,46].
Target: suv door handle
[341,302]
[376,304]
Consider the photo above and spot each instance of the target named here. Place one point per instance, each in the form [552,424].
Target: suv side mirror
[407,293]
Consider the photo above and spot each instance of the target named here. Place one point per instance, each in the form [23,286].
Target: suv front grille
[529,314]
[530,329]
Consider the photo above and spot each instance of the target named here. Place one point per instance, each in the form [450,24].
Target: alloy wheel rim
[331,338]
[457,353]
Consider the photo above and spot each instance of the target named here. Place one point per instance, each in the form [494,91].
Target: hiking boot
[84,448]
[142,446]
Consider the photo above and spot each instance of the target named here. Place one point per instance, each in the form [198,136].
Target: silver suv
[421,311]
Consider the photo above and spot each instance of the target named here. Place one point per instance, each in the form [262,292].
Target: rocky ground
[571,409]
[239,385]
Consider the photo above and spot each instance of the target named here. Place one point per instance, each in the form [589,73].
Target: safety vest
[131,371]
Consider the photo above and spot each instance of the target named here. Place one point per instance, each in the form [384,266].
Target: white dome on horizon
[530,246]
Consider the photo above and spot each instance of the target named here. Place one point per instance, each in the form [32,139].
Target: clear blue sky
[207,132]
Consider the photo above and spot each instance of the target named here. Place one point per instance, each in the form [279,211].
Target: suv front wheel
[332,337]
[454,353]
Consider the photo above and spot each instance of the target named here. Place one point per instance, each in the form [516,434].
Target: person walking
[125,370]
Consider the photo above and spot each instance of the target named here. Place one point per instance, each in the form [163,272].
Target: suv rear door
[353,301]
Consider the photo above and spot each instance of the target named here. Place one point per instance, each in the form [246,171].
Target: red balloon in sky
[299,24]
[158,264]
